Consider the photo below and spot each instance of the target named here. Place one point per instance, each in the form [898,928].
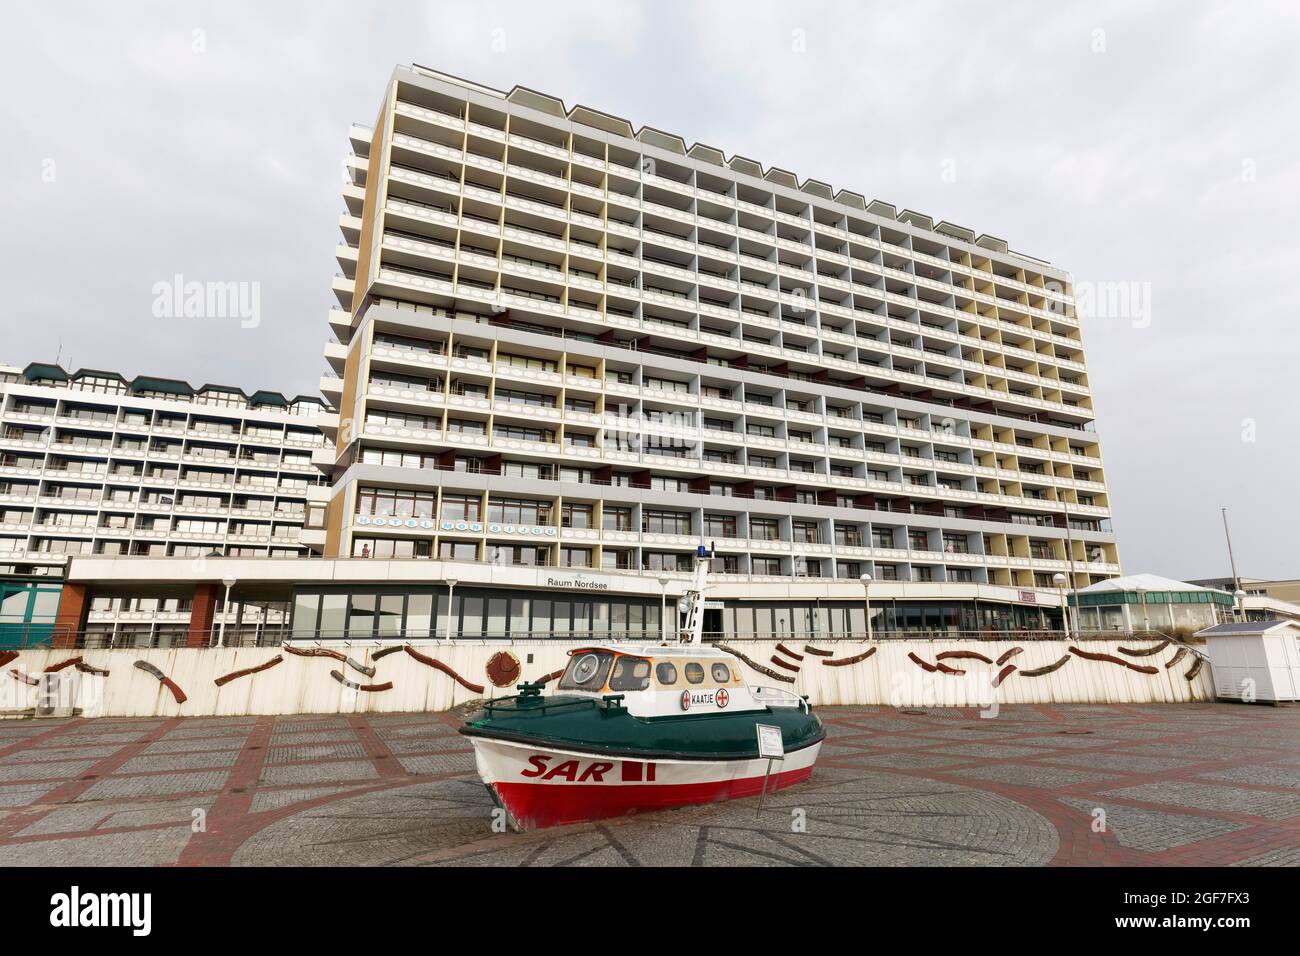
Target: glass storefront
[476,614]
[27,613]
[479,613]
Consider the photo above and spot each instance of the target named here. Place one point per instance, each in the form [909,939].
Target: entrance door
[713,623]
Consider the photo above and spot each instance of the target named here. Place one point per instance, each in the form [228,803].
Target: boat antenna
[693,630]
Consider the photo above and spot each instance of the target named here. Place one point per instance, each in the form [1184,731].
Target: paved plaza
[1192,784]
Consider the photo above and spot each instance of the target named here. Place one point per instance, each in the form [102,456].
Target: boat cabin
[662,681]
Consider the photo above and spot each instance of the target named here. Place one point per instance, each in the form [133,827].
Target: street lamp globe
[1058,579]
[866,580]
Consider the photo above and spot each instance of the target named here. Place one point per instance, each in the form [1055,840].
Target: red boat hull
[540,788]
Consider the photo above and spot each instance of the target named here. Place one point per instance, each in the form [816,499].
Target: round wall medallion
[503,669]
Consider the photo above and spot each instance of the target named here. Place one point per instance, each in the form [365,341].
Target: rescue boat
[631,728]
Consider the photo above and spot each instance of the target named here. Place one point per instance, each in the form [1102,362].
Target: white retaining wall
[303,684]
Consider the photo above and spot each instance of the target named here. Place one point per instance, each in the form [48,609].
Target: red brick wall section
[202,613]
[71,617]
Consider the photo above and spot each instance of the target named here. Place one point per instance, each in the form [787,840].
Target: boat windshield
[630,673]
[586,671]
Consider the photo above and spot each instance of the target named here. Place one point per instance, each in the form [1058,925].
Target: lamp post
[229,581]
[451,589]
[1240,595]
[1059,580]
[663,608]
[1142,596]
[866,600]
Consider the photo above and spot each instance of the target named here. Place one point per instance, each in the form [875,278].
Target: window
[666,673]
[575,557]
[721,526]
[519,555]
[391,548]
[666,522]
[457,550]
[956,544]
[387,502]
[460,508]
[665,561]
[586,671]
[806,532]
[630,673]
[616,519]
[525,361]
[575,516]
[720,673]
[612,559]
[519,511]
[694,673]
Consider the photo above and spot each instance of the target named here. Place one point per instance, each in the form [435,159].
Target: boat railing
[777,697]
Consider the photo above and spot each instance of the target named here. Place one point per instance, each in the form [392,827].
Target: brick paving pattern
[1192,784]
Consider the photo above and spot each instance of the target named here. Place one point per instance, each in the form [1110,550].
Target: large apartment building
[564,342]
[566,354]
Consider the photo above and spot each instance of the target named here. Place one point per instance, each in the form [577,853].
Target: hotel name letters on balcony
[472,527]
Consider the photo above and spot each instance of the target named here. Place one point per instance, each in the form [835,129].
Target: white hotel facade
[565,343]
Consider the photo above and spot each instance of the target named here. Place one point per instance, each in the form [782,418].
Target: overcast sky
[1155,146]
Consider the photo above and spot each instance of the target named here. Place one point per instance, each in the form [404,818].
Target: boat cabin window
[720,673]
[694,673]
[587,671]
[630,673]
[665,673]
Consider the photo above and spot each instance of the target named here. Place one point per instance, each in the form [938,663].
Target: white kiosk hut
[1255,660]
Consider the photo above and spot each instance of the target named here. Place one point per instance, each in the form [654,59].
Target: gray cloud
[1168,159]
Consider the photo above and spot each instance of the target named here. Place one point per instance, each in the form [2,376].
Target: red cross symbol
[723,697]
[686,700]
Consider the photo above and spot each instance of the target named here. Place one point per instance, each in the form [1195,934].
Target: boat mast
[693,629]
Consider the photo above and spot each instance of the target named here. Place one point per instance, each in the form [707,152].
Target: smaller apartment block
[93,463]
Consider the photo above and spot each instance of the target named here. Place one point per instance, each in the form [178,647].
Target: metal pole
[866,601]
[225,613]
[451,589]
[663,610]
[1232,561]
[1069,544]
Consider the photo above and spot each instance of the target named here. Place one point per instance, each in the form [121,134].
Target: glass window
[333,609]
[666,673]
[630,673]
[721,674]
[694,673]
[361,616]
[471,616]
[305,609]
[390,615]
[586,671]
[496,617]
[518,617]
[419,610]
[560,620]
